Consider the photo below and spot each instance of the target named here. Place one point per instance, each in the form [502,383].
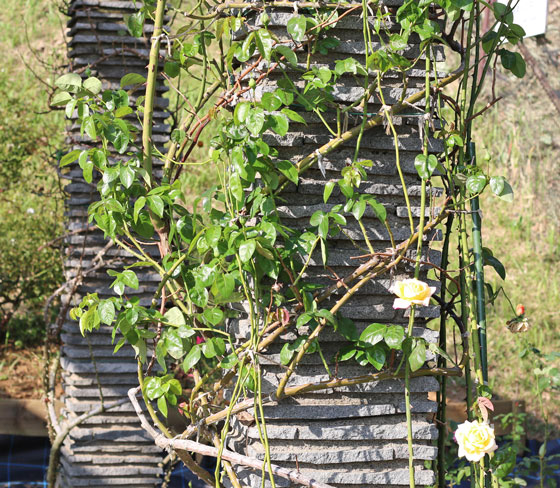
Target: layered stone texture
[352,436]
[110,449]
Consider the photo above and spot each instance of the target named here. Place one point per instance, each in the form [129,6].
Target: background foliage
[31,198]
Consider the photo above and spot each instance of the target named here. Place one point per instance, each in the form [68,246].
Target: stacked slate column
[352,436]
[110,449]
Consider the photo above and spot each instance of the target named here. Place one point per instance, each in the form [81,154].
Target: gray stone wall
[109,449]
[353,436]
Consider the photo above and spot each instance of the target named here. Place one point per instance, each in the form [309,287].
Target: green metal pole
[479,272]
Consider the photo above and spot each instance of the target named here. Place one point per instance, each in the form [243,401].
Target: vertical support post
[479,271]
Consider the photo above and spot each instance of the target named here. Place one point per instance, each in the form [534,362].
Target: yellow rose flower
[475,439]
[412,292]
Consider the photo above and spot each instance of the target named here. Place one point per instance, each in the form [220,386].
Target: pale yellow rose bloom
[412,292]
[475,439]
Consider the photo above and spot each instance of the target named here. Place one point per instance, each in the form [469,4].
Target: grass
[31,199]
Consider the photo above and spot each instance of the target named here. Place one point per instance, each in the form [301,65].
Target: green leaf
[293,116]
[287,53]
[223,287]
[69,82]
[329,187]
[162,405]
[347,328]
[279,124]
[70,157]
[376,356]
[229,362]
[213,347]
[135,23]
[476,183]
[130,279]
[264,43]
[106,310]
[153,387]
[126,174]
[93,85]
[213,235]
[138,206]
[175,387]
[213,315]
[373,334]
[172,69]
[425,166]
[174,317]
[496,264]
[174,344]
[347,352]
[394,336]
[236,188]
[255,121]
[513,62]
[270,102]
[296,27]
[497,184]
[288,170]
[359,208]
[192,358]
[489,41]
[246,250]
[286,354]
[132,79]
[155,203]
[417,356]
[89,127]
[503,13]
[60,99]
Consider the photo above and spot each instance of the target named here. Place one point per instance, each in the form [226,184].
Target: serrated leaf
[286,354]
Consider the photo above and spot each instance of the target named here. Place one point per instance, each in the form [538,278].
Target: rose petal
[400,303]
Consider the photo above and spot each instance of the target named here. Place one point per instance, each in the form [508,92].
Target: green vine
[231,258]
